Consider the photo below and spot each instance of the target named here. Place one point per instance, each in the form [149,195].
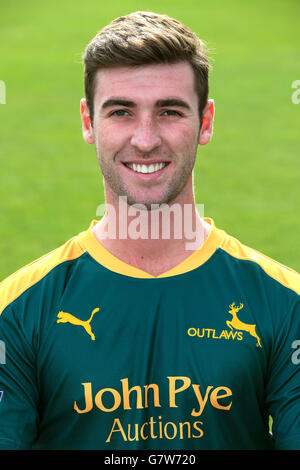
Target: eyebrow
[172,102]
[118,102]
[168,102]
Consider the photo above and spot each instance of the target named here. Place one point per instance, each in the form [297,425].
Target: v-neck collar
[90,244]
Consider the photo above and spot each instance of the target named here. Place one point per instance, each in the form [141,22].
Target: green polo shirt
[102,355]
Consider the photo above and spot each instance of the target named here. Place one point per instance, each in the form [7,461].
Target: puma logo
[65,317]
[239,325]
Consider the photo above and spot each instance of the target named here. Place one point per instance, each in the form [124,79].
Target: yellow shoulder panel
[286,276]
[14,285]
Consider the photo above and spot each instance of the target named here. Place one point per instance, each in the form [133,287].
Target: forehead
[146,82]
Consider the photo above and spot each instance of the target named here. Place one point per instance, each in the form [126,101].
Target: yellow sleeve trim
[281,273]
[17,283]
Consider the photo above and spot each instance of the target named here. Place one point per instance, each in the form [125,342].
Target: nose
[146,135]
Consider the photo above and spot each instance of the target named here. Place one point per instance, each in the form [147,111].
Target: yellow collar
[89,243]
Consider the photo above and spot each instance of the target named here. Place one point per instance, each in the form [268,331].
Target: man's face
[146,130]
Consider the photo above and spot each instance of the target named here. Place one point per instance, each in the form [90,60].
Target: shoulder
[284,275]
[22,280]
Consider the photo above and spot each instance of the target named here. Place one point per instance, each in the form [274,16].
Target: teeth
[146,168]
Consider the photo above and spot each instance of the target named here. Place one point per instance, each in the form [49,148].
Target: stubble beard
[173,189]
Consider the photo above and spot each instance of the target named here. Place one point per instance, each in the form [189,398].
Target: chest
[152,343]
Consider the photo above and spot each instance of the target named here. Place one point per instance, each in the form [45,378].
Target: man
[120,341]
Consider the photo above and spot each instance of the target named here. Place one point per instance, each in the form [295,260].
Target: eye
[171,112]
[120,113]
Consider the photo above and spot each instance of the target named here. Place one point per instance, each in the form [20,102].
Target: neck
[153,240]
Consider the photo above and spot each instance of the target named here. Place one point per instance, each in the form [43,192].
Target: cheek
[109,140]
[105,145]
[182,140]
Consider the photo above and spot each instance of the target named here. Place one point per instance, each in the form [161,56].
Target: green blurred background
[247,177]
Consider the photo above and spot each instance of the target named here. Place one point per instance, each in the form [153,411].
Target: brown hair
[143,38]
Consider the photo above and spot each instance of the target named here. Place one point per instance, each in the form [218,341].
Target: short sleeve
[283,387]
[18,385]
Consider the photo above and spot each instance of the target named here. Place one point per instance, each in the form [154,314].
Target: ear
[207,123]
[87,129]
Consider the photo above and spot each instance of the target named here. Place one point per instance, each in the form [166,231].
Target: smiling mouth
[143,168]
